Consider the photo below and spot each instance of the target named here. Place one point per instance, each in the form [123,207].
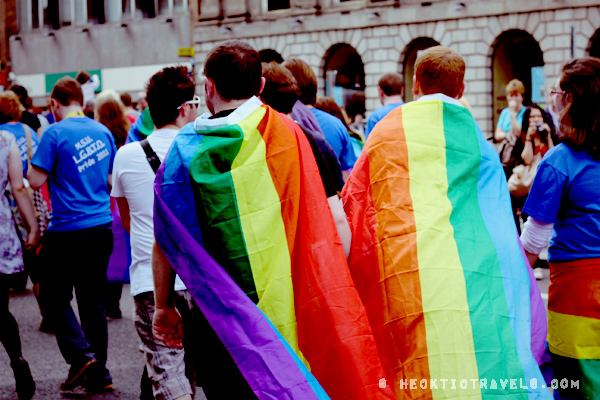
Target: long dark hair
[580,119]
[545,116]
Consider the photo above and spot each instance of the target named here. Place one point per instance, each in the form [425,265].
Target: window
[278,4]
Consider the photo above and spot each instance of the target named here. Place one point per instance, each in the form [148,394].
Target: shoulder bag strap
[151,156]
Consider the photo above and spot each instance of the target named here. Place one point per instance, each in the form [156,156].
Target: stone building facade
[499,39]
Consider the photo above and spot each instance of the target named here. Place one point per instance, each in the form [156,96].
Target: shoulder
[129,150]
[7,138]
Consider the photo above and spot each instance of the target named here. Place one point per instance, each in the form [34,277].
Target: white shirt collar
[203,122]
[441,96]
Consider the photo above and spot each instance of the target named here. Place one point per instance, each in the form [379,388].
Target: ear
[263,81]
[209,86]
[462,89]
[416,86]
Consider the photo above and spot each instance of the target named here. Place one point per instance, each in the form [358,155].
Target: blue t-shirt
[18,130]
[78,155]
[504,120]
[566,192]
[337,136]
[378,115]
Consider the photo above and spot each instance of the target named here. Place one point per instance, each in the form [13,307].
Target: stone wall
[383,47]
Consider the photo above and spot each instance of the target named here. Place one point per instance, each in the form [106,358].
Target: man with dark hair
[239,196]
[332,128]
[27,117]
[76,154]
[171,95]
[130,112]
[270,55]
[391,88]
[281,93]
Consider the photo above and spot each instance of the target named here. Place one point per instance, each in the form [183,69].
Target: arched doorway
[516,55]
[594,46]
[344,73]
[411,53]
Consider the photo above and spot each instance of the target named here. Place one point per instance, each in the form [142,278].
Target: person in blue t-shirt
[76,156]
[564,202]
[10,113]
[333,129]
[391,89]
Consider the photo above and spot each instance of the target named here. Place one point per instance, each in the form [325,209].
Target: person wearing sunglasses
[564,203]
[135,167]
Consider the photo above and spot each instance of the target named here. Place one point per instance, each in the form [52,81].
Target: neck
[173,125]
[66,110]
[392,99]
[228,105]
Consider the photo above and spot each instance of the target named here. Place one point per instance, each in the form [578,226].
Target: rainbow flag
[437,261]
[247,189]
[574,327]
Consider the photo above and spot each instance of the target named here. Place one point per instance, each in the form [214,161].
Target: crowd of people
[281,248]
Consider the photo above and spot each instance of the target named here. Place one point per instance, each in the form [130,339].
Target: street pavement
[125,361]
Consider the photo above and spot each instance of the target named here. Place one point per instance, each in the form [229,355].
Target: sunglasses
[195,101]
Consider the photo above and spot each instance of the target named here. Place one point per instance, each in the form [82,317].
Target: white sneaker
[538,273]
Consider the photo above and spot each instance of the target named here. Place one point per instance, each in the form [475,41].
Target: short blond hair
[515,86]
[440,69]
[10,107]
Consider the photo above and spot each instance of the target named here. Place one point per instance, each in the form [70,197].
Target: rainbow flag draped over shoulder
[274,285]
[437,261]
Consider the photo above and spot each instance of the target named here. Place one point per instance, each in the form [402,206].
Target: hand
[532,130]
[167,327]
[33,238]
[512,106]
[546,127]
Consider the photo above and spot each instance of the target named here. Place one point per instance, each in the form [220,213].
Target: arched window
[516,56]
[411,53]
[344,73]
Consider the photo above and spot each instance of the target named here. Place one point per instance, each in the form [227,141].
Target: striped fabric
[574,327]
[437,261]
[246,188]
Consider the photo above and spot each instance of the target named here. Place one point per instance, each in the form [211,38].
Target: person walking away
[11,257]
[173,105]
[435,255]
[76,155]
[391,89]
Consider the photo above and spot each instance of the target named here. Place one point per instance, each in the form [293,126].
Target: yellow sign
[186,52]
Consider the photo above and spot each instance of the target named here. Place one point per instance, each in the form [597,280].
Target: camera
[541,130]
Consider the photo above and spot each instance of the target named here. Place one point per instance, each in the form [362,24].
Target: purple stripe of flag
[262,358]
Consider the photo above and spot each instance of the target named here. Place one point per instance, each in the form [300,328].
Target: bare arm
[528,152]
[124,211]
[167,325]
[15,176]
[109,181]
[341,223]
[36,177]
[515,126]
[499,135]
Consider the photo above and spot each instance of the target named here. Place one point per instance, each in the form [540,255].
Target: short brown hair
[391,84]
[10,107]
[306,79]
[580,119]
[66,91]
[515,86]
[126,99]
[440,69]
[235,68]
[281,89]
[82,77]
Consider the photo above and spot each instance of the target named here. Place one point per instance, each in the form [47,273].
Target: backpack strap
[151,156]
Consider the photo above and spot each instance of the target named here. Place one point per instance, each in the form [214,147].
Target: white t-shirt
[133,178]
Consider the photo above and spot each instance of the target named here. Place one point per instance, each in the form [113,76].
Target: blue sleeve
[347,156]
[45,156]
[504,120]
[371,123]
[113,152]
[545,196]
